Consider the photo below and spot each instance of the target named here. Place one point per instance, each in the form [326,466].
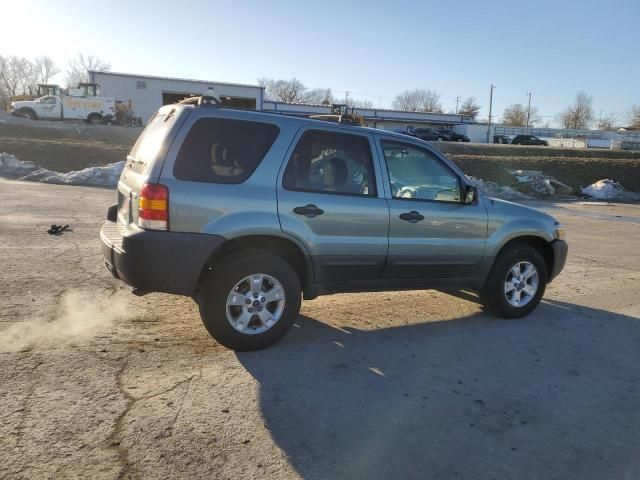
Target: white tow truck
[81,103]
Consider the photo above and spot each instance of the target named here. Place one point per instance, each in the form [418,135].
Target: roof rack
[200,100]
[345,118]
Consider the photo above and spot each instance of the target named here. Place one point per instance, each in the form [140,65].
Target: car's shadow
[554,395]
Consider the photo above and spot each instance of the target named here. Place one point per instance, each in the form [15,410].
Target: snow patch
[536,183]
[10,166]
[608,189]
[494,189]
[106,176]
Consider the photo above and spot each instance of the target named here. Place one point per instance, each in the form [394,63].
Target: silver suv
[243,211]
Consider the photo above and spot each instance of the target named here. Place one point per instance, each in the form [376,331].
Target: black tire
[493,295]
[30,114]
[94,119]
[219,282]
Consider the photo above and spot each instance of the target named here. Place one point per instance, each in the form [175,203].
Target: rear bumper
[156,261]
[560,249]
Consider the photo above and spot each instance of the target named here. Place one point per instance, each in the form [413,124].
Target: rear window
[150,140]
[218,150]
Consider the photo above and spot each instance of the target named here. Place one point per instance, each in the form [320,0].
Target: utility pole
[346,97]
[457,99]
[490,108]
[600,120]
[528,112]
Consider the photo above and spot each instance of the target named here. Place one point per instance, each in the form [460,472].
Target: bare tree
[44,69]
[355,103]
[288,91]
[418,100]
[470,107]
[516,115]
[580,114]
[634,116]
[80,65]
[607,122]
[318,96]
[14,75]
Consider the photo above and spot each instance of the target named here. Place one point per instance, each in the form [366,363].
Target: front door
[432,233]
[49,107]
[328,199]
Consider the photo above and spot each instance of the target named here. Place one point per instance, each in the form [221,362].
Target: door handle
[412,216]
[309,211]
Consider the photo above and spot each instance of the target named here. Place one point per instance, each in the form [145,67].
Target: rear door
[432,233]
[328,199]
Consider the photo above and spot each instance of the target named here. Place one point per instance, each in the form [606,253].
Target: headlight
[559,232]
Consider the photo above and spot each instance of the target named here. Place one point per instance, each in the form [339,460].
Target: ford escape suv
[246,212]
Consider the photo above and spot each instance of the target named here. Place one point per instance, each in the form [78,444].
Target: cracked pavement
[416,384]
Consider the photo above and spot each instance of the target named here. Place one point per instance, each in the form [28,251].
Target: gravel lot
[97,383]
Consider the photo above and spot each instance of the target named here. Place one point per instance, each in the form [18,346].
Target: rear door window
[221,150]
[328,162]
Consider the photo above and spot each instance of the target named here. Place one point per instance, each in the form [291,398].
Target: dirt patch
[65,146]
[575,172]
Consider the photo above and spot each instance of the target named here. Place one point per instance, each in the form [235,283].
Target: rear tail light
[153,208]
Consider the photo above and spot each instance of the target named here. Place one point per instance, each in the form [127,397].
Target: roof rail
[200,100]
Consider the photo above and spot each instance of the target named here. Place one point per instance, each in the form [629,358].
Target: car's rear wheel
[516,283]
[250,300]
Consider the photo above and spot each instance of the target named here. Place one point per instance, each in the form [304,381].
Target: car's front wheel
[250,300]
[516,283]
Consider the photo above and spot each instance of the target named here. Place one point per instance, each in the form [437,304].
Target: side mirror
[470,194]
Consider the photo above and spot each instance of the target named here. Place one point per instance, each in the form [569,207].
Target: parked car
[453,136]
[429,134]
[502,138]
[528,140]
[245,211]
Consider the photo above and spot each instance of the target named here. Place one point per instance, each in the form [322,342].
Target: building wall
[147,100]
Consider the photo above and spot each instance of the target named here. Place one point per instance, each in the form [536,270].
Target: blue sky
[550,48]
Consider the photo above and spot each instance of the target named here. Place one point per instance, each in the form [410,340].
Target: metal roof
[156,77]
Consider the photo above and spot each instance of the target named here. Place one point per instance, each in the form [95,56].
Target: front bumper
[156,261]
[560,249]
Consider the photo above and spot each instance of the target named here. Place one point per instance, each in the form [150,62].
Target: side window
[220,150]
[417,174]
[329,162]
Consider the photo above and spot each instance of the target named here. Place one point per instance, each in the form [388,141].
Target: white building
[375,117]
[148,93]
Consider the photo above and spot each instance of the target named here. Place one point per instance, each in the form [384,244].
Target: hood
[22,103]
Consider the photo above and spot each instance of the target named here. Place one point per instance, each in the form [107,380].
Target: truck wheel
[516,283]
[250,300]
[30,114]
[94,118]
